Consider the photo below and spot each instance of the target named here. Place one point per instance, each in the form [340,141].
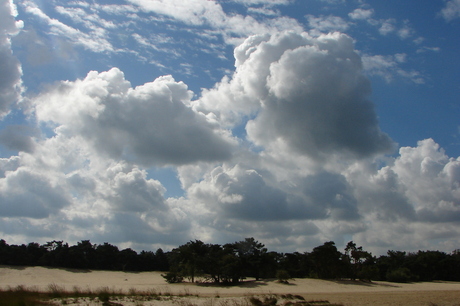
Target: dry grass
[57,295]
[286,300]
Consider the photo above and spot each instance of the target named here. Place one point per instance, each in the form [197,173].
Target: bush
[283,276]
[173,277]
[368,273]
[400,275]
[268,301]
[255,301]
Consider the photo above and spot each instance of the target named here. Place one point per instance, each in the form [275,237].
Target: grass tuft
[56,294]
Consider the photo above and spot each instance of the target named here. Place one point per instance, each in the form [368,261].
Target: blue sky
[149,123]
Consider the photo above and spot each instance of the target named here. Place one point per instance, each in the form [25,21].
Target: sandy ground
[343,292]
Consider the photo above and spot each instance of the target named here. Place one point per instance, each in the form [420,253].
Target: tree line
[232,262]
[84,255]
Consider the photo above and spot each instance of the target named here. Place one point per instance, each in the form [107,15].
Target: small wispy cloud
[361,14]
[325,24]
[388,67]
[451,11]
[95,40]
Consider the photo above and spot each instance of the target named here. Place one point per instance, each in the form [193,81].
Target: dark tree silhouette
[232,262]
[360,263]
[327,259]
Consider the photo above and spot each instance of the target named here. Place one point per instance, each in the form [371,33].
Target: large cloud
[65,190]
[415,196]
[149,124]
[24,193]
[82,182]
[422,184]
[10,73]
[245,194]
[309,93]
[431,180]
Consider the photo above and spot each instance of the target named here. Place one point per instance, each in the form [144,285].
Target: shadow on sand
[68,269]
[14,267]
[362,283]
[243,284]
[285,283]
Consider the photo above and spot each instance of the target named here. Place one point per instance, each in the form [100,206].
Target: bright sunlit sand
[343,292]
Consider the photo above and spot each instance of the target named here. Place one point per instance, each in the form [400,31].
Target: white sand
[346,292]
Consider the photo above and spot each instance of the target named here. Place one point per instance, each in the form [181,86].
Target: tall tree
[251,253]
[327,259]
[359,262]
[188,259]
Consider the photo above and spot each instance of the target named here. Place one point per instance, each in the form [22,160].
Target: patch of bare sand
[343,292]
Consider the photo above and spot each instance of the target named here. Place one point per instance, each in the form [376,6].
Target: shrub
[400,275]
[55,290]
[368,273]
[172,277]
[255,301]
[270,301]
[104,294]
[283,276]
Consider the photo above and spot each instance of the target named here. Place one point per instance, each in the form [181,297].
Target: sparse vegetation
[172,277]
[57,295]
[286,300]
[22,296]
[283,276]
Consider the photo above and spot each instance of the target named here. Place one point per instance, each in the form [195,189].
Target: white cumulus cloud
[149,124]
[11,72]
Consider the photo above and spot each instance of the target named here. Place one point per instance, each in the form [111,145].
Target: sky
[150,123]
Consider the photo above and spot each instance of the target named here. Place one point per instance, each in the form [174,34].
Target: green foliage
[84,255]
[296,264]
[233,262]
[327,261]
[368,273]
[283,276]
[251,254]
[173,277]
[400,275]
[104,297]
[360,263]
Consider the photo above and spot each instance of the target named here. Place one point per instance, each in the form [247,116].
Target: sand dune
[345,292]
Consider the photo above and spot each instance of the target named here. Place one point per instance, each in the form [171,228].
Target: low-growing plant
[76,291]
[401,275]
[255,301]
[133,291]
[173,277]
[283,276]
[56,291]
[267,301]
[270,301]
[104,294]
